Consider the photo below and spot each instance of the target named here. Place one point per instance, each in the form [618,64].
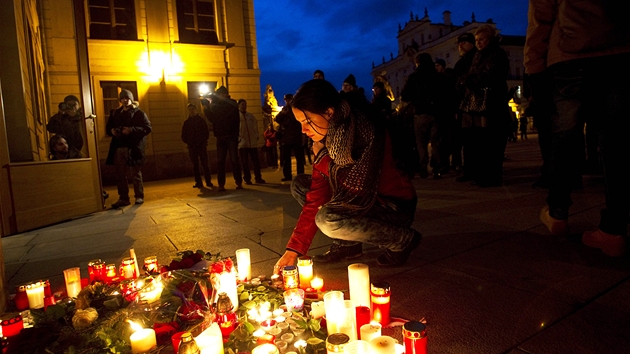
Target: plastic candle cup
[73,281]
[151,265]
[381,293]
[35,293]
[244,264]
[305,270]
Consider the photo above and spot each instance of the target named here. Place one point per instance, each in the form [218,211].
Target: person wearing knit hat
[349,84]
[440,65]
[68,121]
[128,126]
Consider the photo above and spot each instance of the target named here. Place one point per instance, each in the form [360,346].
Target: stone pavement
[487,276]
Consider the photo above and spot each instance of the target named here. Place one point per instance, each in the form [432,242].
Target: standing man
[248,143]
[318,74]
[578,42]
[291,140]
[69,122]
[195,134]
[128,126]
[222,112]
[467,51]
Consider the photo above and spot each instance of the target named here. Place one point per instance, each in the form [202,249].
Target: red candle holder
[363,318]
[21,299]
[11,324]
[47,291]
[110,273]
[381,293]
[151,265]
[415,336]
[128,268]
[95,270]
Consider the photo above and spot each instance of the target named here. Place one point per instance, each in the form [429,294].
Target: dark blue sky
[345,36]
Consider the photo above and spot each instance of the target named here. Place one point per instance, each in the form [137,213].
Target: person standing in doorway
[195,134]
[128,126]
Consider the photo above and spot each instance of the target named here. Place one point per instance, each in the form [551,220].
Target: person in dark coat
[69,122]
[222,112]
[291,140]
[128,126]
[195,134]
[380,101]
[426,91]
[487,76]
[466,48]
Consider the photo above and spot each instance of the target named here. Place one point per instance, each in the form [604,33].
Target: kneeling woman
[356,193]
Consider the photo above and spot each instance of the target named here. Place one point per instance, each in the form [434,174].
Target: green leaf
[249,304]
[314,341]
[314,324]
[244,296]
[249,327]
[55,312]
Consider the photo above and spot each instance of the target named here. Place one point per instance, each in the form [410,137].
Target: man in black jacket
[291,140]
[128,126]
[195,134]
[222,112]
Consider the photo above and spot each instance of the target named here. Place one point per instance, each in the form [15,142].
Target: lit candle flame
[136,327]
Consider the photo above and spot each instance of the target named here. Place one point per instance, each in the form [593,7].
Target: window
[196,22]
[111,91]
[112,19]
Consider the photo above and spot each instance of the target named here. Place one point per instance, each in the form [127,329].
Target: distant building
[440,40]
[166,52]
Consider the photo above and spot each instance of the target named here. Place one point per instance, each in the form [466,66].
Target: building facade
[166,52]
[440,40]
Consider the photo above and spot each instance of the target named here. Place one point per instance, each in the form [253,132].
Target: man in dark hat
[349,84]
[69,122]
[318,74]
[222,112]
[128,126]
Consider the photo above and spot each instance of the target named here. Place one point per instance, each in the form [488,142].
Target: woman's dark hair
[52,143]
[316,96]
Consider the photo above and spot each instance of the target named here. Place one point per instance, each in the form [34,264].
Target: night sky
[345,36]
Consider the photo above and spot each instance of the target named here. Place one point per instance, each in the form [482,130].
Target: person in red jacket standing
[356,193]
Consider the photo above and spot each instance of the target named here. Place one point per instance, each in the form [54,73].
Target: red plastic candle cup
[175,339]
[11,324]
[363,318]
[381,293]
[21,299]
[92,273]
[415,337]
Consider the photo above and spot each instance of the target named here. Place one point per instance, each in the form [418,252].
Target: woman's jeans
[386,224]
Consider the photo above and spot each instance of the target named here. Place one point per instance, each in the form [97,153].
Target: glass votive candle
[128,268]
[283,326]
[35,294]
[294,299]
[73,281]
[290,277]
[110,273]
[282,345]
[288,337]
[151,265]
[305,270]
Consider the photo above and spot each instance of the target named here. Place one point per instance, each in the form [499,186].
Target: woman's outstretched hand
[289,258]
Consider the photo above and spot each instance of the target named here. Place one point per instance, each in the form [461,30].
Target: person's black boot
[338,252]
[397,259]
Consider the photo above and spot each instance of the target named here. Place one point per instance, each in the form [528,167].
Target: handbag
[475,101]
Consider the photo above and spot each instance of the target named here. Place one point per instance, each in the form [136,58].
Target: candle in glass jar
[370,331]
[244,264]
[151,265]
[110,273]
[290,277]
[128,268]
[305,269]
[381,293]
[415,337]
[294,299]
[72,277]
[35,294]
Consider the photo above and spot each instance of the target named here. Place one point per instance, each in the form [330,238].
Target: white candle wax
[359,281]
[333,304]
[357,347]
[317,309]
[210,341]
[142,341]
[305,270]
[73,281]
[35,294]
[383,345]
[244,264]
[266,348]
[370,331]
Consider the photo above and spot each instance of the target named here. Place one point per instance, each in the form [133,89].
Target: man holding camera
[222,112]
[128,126]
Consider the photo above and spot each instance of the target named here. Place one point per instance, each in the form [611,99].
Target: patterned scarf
[356,149]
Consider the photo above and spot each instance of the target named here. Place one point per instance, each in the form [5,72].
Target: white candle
[244,264]
[317,309]
[305,269]
[357,347]
[210,341]
[142,340]
[73,281]
[152,292]
[370,331]
[348,323]
[35,294]
[266,348]
[359,280]
[383,345]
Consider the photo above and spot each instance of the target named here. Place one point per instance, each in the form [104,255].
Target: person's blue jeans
[224,146]
[597,85]
[386,224]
